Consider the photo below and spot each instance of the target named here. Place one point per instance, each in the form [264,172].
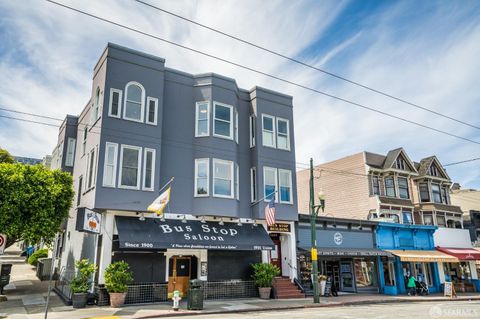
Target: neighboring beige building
[469,202]
[383,187]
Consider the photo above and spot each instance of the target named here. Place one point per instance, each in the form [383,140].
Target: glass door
[346,277]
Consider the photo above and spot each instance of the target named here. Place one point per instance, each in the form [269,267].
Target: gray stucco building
[230,151]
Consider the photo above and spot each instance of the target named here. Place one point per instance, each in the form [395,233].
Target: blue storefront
[413,250]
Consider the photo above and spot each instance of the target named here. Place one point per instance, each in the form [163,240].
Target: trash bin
[195,295]
[5,270]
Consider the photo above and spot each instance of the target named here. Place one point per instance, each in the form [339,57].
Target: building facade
[469,201]
[63,155]
[229,151]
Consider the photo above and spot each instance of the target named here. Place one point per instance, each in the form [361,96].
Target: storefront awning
[461,253]
[349,252]
[154,234]
[423,256]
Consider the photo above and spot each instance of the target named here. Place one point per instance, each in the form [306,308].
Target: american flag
[270,212]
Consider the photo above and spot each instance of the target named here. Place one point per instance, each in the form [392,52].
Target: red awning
[462,253]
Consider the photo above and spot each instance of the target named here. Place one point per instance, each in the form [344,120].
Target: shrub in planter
[117,278]
[33,259]
[82,282]
[263,274]
[322,279]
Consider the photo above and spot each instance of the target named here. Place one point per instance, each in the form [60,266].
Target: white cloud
[49,54]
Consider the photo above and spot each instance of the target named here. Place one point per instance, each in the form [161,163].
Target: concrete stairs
[284,288]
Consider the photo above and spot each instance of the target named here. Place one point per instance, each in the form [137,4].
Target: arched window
[134,102]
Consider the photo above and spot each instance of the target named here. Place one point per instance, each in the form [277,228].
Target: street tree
[34,201]
[5,156]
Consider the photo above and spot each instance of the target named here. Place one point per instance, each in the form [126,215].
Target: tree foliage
[5,156]
[34,201]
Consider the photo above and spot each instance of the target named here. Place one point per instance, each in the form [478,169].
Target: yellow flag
[159,204]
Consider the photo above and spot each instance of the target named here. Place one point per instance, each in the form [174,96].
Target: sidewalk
[27,295]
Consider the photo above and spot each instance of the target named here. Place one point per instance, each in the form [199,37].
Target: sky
[426,52]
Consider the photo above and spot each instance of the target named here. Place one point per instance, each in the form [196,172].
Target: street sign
[3,243]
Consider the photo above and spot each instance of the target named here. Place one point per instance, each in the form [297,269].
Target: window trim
[155,100]
[394,188]
[95,107]
[84,142]
[252,128]
[139,161]
[195,183]
[377,186]
[274,134]
[232,174]
[115,161]
[237,181]
[72,148]
[144,174]
[90,169]
[230,137]
[288,133]
[401,188]
[290,186]
[439,193]
[253,184]
[142,104]
[197,104]
[236,126]
[265,168]
[110,103]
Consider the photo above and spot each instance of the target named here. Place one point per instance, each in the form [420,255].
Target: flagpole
[261,199]
[168,183]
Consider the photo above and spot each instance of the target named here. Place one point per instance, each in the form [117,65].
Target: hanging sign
[3,243]
[280,227]
[88,221]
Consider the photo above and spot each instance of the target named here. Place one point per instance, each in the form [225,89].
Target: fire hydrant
[176,300]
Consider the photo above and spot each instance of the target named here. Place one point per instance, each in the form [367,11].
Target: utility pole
[313,228]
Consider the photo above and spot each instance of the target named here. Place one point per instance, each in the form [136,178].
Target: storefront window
[427,218]
[441,220]
[365,273]
[388,273]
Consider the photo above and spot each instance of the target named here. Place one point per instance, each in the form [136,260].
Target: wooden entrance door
[276,253]
[179,273]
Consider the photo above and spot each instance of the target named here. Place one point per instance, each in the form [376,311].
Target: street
[460,309]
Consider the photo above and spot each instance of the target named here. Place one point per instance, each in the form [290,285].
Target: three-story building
[229,151]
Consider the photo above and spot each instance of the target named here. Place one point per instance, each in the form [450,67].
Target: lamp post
[313,218]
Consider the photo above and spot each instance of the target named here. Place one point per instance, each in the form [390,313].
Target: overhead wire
[132,29]
[305,64]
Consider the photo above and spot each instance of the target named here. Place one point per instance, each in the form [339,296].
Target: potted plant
[263,274]
[117,278]
[322,279]
[82,282]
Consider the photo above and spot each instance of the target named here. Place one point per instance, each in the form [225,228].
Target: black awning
[348,252]
[173,234]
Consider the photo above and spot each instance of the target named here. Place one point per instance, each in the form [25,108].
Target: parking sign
[3,243]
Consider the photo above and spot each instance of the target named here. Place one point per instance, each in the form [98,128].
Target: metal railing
[62,285]
[229,289]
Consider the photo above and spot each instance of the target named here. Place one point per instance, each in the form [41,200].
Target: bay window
[285,184]
[91,168]
[283,134]
[202,168]
[202,119]
[375,185]
[115,103]
[253,184]
[223,178]
[403,187]
[436,193]
[270,183]
[152,110]
[70,151]
[424,193]
[130,163]
[268,130]
[223,118]
[390,186]
[252,130]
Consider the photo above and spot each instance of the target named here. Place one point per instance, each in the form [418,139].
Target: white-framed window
[252,130]
[115,102]
[237,182]
[130,164]
[270,185]
[253,184]
[149,169]
[70,151]
[223,178]
[152,110]
[91,168]
[96,106]
[236,126]
[222,120]
[202,174]
[202,119]
[110,165]
[285,184]
[283,134]
[134,104]
[268,130]
[84,143]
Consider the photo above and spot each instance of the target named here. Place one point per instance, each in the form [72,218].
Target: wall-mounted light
[203,220]
[221,223]
[184,220]
[142,217]
[162,219]
[255,223]
[239,222]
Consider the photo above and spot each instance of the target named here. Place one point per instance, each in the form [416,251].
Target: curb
[305,306]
